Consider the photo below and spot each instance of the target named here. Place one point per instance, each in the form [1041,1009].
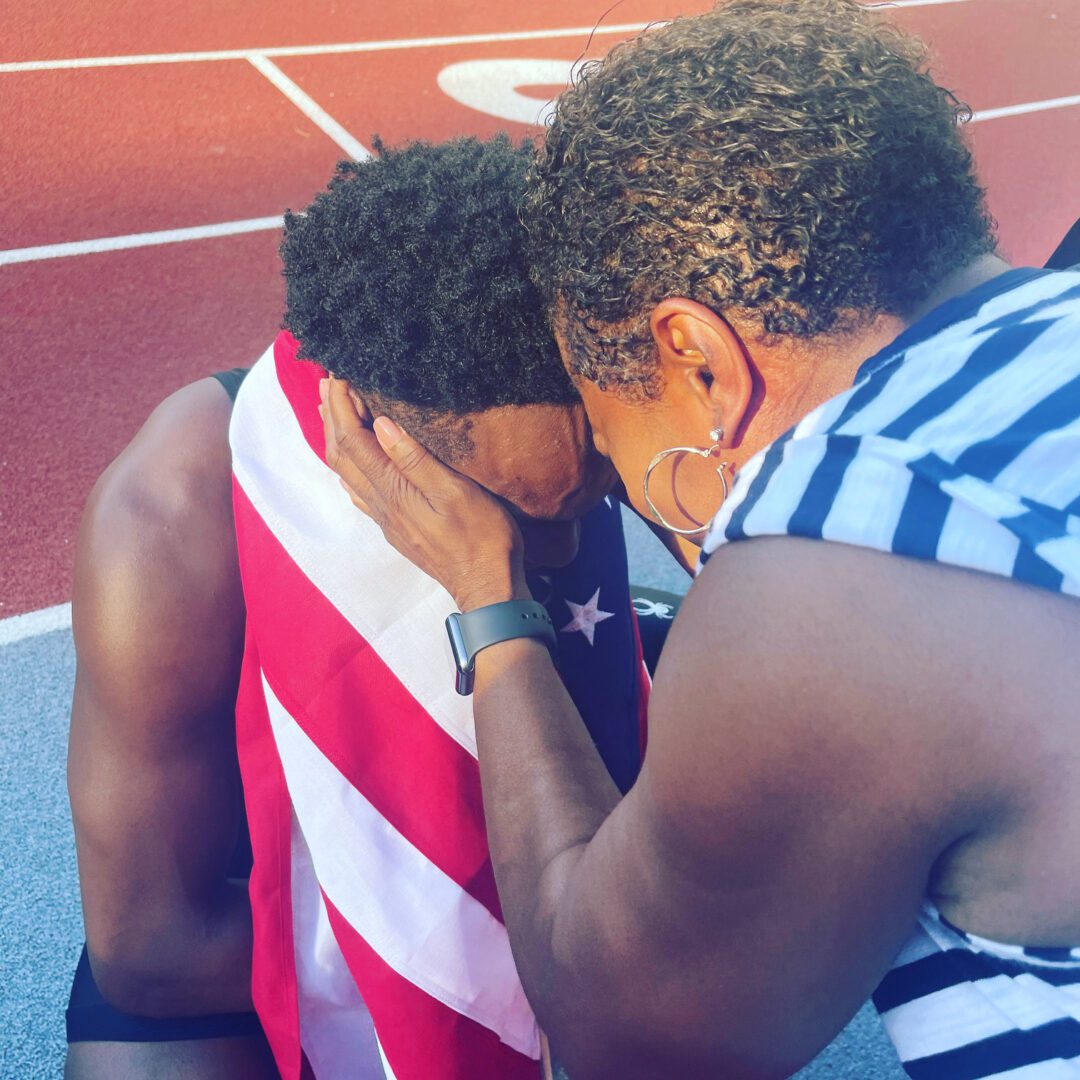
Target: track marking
[34,623]
[232,228]
[324,50]
[136,240]
[492,86]
[1030,107]
[366,46]
[310,108]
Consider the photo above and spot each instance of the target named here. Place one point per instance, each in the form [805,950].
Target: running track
[148,155]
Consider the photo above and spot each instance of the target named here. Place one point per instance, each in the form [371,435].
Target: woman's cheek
[632,473]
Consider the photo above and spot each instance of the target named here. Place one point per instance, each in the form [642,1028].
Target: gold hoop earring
[698,451]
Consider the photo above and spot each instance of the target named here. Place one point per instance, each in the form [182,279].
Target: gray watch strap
[476,630]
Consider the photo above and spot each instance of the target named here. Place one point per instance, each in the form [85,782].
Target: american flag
[379,942]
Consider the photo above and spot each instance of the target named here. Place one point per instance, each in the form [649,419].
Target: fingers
[422,469]
[355,499]
[350,436]
[380,465]
[362,409]
[352,450]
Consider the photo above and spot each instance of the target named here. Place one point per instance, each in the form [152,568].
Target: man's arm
[152,771]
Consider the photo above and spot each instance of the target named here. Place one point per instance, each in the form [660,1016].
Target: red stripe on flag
[266,796]
[422,1038]
[355,710]
[299,380]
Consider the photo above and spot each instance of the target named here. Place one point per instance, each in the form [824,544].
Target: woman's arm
[733,911]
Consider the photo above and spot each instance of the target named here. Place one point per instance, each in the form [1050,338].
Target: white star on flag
[586,616]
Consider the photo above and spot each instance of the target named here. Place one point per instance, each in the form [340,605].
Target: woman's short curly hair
[789,162]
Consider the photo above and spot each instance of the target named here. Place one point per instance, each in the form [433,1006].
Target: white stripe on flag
[396,608]
[422,923]
[388,1072]
[336,1031]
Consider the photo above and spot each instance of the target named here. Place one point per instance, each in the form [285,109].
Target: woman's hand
[444,523]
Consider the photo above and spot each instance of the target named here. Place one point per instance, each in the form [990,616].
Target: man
[159,623]
[378,940]
[774,280]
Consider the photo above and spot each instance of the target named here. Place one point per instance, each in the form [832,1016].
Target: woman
[773,278]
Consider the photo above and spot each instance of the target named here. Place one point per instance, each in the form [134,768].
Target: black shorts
[90,1018]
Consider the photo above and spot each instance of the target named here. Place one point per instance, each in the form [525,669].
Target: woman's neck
[983,269]
[799,376]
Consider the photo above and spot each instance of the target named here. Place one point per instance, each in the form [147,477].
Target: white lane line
[34,623]
[1030,107]
[913,3]
[231,228]
[324,50]
[310,108]
[363,46]
[136,240]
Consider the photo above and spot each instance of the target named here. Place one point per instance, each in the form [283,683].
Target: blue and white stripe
[960,1007]
[960,444]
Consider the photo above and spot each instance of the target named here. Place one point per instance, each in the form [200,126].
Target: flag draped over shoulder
[378,933]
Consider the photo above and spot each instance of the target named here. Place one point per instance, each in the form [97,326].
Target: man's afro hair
[407,278]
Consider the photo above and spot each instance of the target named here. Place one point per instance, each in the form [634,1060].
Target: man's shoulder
[156,566]
[174,466]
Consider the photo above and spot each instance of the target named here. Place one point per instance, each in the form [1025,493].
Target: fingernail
[387,432]
[323,384]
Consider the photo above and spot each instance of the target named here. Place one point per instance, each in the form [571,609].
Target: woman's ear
[702,355]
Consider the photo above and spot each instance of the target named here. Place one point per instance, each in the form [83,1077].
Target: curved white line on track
[34,623]
[491,86]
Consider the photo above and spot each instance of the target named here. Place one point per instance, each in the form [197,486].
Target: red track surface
[92,342]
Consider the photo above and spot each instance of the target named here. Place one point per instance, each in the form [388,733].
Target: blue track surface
[40,924]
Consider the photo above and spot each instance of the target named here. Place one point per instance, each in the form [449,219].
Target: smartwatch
[476,630]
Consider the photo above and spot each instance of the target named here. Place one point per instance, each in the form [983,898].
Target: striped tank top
[958,443]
